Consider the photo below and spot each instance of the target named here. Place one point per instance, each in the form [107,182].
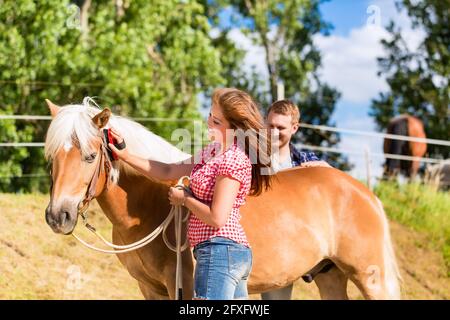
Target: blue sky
[345,15]
[349,64]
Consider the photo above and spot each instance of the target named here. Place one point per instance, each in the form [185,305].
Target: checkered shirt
[233,163]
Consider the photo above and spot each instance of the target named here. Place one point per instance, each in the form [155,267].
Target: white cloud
[256,56]
[349,63]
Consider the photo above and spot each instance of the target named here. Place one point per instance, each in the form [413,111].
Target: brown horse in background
[404,125]
[315,222]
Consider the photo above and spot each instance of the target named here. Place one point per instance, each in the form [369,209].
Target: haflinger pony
[404,125]
[315,223]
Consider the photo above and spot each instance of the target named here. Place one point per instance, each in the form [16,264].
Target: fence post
[367,157]
[280,90]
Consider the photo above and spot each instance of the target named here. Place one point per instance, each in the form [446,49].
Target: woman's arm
[225,192]
[152,168]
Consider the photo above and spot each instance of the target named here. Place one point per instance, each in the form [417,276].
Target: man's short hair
[287,108]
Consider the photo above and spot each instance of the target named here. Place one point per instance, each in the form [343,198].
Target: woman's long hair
[242,112]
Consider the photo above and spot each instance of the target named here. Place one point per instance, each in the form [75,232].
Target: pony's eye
[90,158]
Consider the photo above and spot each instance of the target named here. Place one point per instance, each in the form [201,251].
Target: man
[283,118]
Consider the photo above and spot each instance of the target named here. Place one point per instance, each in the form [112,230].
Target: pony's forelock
[72,125]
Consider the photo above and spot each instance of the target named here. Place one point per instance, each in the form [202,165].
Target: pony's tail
[392,277]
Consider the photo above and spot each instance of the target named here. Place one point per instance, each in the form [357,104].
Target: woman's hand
[122,153]
[176,196]
[315,164]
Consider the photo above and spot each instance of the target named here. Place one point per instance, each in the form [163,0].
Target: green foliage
[419,80]
[422,208]
[13,156]
[146,59]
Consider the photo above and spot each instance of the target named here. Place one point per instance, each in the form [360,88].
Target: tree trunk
[84,18]
[271,67]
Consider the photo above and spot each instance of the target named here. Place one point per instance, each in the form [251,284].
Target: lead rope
[176,214]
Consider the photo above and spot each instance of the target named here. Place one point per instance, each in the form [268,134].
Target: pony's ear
[54,109]
[102,118]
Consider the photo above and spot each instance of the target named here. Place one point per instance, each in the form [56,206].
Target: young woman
[220,179]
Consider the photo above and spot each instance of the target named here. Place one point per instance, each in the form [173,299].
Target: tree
[142,58]
[285,30]
[418,80]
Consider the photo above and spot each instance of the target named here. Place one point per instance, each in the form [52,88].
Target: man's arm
[319,163]
[308,159]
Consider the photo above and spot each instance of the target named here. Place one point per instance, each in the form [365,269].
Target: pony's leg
[369,275]
[151,293]
[332,284]
[188,284]
[369,290]
[375,281]
[188,288]
[278,294]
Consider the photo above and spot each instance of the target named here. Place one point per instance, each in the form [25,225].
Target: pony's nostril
[49,218]
[67,216]
[64,217]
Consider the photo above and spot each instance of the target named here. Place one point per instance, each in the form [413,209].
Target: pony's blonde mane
[73,125]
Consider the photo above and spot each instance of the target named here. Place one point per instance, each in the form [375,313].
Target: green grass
[421,208]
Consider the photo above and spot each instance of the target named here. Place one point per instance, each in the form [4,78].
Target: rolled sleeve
[235,167]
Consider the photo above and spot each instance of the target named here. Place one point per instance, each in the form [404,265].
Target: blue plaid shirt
[299,157]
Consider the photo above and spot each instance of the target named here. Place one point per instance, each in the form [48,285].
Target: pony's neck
[136,202]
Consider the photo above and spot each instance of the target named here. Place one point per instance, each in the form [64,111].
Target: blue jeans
[222,269]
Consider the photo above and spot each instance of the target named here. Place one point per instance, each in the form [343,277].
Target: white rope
[176,214]
[385,155]
[23,117]
[34,117]
[135,245]
[176,211]
[22,144]
[303,125]
[26,175]
[377,134]
[42,144]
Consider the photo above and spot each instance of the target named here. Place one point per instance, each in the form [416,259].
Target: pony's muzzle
[61,219]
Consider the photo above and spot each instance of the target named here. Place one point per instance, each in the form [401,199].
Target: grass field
[421,208]
[35,263]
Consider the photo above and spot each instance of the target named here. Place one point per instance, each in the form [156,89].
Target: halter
[103,163]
